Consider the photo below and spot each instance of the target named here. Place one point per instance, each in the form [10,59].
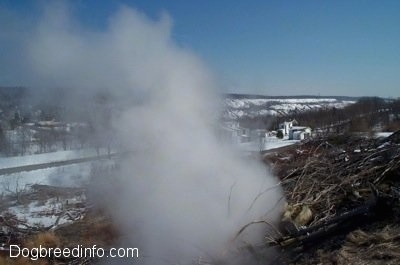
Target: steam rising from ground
[181,193]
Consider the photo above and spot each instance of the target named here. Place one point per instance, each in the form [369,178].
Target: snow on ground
[383,134]
[49,211]
[273,142]
[246,103]
[236,113]
[236,108]
[265,144]
[53,211]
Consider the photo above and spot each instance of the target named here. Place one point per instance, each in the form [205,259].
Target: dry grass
[333,186]
[46,240]
[328,176]
[378,247]
[21,261]
[93,229]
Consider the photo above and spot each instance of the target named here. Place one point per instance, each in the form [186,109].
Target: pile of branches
[16,230]
[336,185]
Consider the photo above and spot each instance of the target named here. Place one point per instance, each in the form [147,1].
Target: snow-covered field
[273,142]
[265,144]
[56,210]
[49,212]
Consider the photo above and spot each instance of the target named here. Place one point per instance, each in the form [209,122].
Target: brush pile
[72,222]
[343,200]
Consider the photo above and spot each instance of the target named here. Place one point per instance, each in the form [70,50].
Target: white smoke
[181,194]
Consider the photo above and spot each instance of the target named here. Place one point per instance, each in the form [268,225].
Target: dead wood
[345,183]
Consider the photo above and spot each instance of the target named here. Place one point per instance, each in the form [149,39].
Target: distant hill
[243,106]
[254,96]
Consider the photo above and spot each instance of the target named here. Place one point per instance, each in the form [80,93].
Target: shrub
[279,134]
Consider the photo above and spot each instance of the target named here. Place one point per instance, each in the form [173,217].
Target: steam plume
[181,194]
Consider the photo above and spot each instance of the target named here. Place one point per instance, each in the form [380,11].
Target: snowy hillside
[240,107]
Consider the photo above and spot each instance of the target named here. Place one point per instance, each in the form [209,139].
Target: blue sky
[273,47]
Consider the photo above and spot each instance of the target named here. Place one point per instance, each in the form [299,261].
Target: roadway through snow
[10,170]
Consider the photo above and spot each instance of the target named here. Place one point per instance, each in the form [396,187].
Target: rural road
[10,170]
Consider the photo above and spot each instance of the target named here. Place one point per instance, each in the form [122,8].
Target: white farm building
[299,132]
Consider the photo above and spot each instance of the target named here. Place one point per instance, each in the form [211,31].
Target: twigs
[257,222]
[261,194]
[229,199]
[332,178]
